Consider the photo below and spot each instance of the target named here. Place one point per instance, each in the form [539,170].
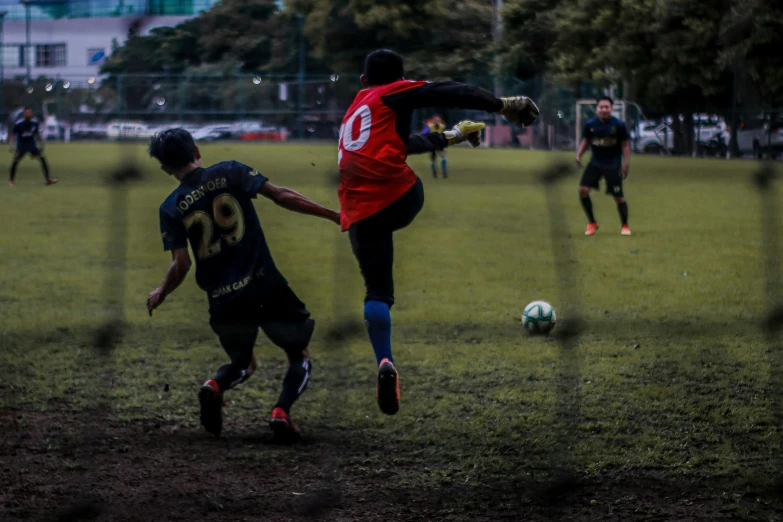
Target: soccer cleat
[211,401]
[591,228]
[10,183]
[51,181]
[283,425]
[387,388]
[625,230]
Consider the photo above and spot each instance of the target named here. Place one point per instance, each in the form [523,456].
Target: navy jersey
[606,139]
[213,210]
[25,131]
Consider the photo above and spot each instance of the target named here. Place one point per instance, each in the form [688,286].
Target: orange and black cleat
[625,230]
[51,181]
[387,388]
[283,425]
[591,228]
[211,400]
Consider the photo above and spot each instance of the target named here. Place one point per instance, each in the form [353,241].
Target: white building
[70,39]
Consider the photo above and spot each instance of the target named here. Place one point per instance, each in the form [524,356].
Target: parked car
[760,136]
[127,130]
[655,138]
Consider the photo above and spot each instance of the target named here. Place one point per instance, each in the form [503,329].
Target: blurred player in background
[436,125]
[379,193]
[213,210]
[26,134]
[610,159]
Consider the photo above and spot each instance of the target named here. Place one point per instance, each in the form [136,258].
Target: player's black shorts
[373,245]
[280,314]
[614,180]
[27,148]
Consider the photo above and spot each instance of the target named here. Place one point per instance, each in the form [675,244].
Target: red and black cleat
[283,425]
[211,401]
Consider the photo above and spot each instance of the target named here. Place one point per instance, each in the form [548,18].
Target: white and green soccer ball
[539,317]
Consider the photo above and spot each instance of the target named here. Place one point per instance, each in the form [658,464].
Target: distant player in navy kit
[213,210]
[27,136]
[611,156]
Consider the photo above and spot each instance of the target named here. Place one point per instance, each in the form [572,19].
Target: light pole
[27,4]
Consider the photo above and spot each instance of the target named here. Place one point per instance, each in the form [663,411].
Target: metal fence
[312,107]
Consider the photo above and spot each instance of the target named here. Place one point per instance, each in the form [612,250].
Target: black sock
[294,383]
[622,208]
[45,168]
[13,169]
[587,204]
[230,375]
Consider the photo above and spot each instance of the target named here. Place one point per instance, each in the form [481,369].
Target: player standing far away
[213,209]
[379,193]
[436,125]
[611,157]
[26,131]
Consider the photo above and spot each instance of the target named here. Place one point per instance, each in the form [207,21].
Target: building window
[50,55]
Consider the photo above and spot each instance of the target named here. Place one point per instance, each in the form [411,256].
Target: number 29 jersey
[372,155]
[213,210]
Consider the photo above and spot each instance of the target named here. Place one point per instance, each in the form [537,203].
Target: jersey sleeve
[172,231]
[245,179]
[17,129]
[443,94]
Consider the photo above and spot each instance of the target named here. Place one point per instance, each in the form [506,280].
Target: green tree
[438,38]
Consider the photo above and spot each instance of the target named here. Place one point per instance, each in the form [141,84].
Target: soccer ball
[539,317]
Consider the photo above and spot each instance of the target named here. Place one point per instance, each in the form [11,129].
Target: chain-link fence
[268,107]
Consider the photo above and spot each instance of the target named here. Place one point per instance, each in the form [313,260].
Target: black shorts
[614,180]
[373,244]
[281,315]
[24,148]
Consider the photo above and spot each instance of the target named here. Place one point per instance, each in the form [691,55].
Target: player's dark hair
[607,98]
[382,66]
[27,108]
[174,148]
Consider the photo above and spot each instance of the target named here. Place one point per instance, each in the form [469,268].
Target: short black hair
[173,148]
[383,66]
[607,98]
[27,108]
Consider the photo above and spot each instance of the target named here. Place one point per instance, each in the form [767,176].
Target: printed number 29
[226,214]
[347,140]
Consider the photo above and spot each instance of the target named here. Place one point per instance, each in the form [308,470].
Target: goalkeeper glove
[465,131]
[519,110]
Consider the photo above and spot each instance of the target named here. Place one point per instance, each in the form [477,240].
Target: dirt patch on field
[66,467]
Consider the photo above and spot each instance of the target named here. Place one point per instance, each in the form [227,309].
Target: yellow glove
[465,131]
[519,110]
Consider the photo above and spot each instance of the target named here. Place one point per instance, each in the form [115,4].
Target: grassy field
[665,409]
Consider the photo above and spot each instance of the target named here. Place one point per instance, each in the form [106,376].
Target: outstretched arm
[582,149]
[180,265]
[420,143]
[294,201]
[444,94]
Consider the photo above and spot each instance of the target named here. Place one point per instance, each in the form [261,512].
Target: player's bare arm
[180,266]
[292,200]
[582,148]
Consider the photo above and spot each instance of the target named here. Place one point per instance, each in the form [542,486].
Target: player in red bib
[379,193]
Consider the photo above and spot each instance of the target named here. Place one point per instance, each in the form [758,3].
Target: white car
[655,138]
[759,136]
[127,130]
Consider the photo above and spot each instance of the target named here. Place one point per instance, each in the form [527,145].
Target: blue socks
[378,320]
[443,164]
